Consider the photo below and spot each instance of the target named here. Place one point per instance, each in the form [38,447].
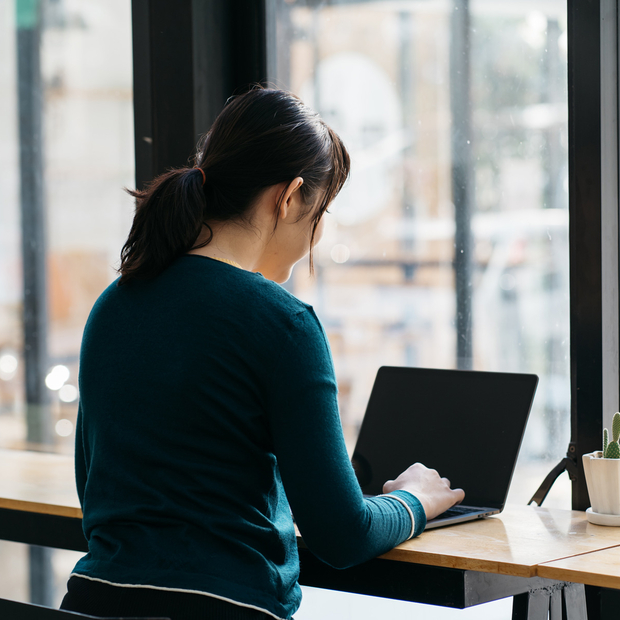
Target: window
[449,246]
[66,75]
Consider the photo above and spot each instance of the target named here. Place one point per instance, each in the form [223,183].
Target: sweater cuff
[419,516]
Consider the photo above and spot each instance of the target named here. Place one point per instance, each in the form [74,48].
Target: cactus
[611,449]
[615,427]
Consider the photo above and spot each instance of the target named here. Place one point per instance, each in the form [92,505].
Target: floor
[328,605]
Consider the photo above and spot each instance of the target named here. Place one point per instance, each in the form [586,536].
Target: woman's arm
[336,522]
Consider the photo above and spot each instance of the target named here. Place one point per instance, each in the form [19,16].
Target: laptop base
[471,515]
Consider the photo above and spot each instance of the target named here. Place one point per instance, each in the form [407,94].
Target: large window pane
[66,103]
[449,247]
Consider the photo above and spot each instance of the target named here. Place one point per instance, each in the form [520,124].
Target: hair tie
[204,178]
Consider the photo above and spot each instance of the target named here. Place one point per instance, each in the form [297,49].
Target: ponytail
[260,139]
[169,217]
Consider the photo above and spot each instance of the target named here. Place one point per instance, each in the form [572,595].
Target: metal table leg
[555,600]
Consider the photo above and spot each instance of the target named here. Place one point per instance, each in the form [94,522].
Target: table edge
[41,508]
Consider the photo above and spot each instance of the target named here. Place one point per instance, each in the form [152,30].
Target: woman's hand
[434,492]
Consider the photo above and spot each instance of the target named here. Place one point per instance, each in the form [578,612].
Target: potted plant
[602,469]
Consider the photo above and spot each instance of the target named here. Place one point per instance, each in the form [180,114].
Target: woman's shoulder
[275,304]
[196,286]
[252,302]
[244,286]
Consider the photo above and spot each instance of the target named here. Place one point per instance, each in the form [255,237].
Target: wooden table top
[512,543]
[523,541]
[600,568]
[38,482]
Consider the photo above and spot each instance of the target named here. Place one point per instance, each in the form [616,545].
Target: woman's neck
[231,242]
[276,235]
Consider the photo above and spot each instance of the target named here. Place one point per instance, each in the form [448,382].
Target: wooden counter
[38,482]
[600,568]
[512,543]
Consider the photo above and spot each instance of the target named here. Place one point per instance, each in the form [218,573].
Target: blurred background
[448,247]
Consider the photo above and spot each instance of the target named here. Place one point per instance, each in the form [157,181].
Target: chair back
[28,611]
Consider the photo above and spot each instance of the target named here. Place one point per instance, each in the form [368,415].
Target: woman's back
[177,376]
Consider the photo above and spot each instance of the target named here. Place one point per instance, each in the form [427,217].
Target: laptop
[468,425]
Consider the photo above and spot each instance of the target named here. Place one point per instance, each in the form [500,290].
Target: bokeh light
[8,366]
[340,253]
[57,377]
[68,393]
[64,427]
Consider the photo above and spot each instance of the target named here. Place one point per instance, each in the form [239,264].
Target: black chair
[14,610]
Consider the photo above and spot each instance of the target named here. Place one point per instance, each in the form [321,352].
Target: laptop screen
[468,425]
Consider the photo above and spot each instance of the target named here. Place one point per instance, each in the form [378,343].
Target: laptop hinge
[567,464]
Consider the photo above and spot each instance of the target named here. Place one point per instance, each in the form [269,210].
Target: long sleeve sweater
[208,413]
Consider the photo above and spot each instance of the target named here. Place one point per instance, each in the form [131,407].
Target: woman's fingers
[389,486]
[459,494]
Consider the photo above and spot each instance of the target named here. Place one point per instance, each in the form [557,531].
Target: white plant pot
[603,481]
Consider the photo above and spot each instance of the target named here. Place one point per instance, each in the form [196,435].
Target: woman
[208,406]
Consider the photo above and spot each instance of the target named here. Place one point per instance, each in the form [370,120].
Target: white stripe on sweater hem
[139,585]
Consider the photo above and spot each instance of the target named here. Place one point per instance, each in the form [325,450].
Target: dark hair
[260,139]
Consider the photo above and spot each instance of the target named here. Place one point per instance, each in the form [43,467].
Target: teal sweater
[208,412]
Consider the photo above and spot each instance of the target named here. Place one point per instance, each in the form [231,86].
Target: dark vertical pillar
[163,83]
[33,231]
[248,21]
[33,226]
[212,63]
[41,578]
[143,117]
[189,56]
[584,165]
[462,176]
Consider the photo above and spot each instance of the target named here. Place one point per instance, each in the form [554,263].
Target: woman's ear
[290,195]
